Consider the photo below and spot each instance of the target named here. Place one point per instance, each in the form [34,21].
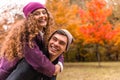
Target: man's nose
[56,43]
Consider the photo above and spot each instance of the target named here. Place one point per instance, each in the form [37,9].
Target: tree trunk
[97,54]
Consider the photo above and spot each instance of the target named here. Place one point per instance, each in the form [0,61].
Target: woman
[25,39]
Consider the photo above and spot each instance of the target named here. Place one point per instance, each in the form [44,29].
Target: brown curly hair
[24,30]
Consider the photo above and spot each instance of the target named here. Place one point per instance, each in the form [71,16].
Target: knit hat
[32,6]
[68,34]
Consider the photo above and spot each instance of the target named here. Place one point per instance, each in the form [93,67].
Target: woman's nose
[41,14]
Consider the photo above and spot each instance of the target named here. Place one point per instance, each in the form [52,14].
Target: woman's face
[41,16]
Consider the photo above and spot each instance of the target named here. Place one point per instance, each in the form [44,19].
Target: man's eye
[55,39]
[62,43]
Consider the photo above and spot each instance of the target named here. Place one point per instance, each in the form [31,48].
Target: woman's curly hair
[24,30]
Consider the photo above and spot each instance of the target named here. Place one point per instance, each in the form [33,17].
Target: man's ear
[64,51]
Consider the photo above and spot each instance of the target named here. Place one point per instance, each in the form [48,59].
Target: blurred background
[95,25]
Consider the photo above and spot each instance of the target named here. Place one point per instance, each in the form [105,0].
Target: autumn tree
[65,14]
[95,27]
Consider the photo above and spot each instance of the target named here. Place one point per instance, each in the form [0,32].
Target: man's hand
[57,69]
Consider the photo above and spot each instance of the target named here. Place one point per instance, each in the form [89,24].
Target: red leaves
[95,27]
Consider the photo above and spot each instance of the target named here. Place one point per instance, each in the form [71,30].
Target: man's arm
[61,62]
[58,64]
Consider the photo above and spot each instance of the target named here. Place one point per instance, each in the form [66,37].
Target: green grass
[90,71]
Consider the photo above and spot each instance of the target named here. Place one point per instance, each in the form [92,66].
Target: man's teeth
[53,48]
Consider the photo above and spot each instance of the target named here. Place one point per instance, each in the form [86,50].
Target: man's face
[57,44]
[42,17]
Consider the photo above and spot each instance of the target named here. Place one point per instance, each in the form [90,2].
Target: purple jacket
[35,57]
[6,67]
[38,60]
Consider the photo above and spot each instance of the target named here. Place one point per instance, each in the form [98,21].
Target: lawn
[90,71]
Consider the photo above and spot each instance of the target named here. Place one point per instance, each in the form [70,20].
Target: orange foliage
[117,36]
[64,14]
[95,27]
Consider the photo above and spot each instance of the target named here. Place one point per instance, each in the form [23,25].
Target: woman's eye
[36,13]
[44,12]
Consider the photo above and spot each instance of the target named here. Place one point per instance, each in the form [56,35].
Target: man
[59,43]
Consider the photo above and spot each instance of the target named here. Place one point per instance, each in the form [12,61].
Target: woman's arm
[6,67]
[38,60]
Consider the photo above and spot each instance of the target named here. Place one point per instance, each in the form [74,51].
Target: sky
[3,3]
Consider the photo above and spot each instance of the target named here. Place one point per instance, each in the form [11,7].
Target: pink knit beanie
[32,6]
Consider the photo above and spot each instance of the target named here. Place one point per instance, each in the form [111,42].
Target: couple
[27,53]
